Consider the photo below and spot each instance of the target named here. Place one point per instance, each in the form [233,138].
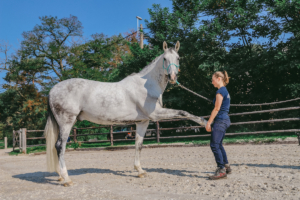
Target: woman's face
[215,81]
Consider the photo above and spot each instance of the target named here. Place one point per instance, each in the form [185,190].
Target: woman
[221,123]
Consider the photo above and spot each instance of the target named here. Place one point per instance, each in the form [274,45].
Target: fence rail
[20,137]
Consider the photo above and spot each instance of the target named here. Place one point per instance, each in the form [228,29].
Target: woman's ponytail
[226,78]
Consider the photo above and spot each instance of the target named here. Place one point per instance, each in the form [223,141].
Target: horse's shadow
[38,177]
[44,177]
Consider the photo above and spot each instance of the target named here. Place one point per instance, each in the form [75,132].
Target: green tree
[45,58]
[48,41]
[245,38]
[98,58]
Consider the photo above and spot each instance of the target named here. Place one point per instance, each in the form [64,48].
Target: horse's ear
[177,46]
[165,46]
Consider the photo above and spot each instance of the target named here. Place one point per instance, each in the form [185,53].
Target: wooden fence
[20,137]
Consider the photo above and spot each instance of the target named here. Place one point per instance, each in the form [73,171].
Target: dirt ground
[259,172]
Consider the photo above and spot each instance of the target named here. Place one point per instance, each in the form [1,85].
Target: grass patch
[28,150]
[35,149]
[200,142]
[87,145]
[14,153]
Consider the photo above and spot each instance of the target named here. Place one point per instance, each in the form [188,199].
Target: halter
[169,65]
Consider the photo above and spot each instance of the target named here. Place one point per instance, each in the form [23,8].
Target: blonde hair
[224,76]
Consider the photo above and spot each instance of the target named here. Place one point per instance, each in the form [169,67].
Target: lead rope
[261,104]
[193,92]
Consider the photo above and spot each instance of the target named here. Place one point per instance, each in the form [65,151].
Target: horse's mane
[150,66]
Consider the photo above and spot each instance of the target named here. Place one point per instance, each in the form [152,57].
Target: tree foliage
[257,42]
[51,53]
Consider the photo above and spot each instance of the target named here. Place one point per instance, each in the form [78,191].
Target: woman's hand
[208,127]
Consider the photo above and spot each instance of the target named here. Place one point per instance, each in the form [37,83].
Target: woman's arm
[219,99]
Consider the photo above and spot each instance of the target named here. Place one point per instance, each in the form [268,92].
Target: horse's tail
[51,134]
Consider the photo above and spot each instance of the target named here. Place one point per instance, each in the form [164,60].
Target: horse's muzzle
[172,78]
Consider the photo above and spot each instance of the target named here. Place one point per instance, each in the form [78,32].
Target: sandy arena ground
[259,172]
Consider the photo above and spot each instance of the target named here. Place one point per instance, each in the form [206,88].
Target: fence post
[157,132]
[24,141]
[298,136]
[111,136]
[14,142]
[5,143]
[20,139]
[74,135]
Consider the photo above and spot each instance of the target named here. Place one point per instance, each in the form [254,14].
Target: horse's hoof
[60,179]
[142,175]
[68,184]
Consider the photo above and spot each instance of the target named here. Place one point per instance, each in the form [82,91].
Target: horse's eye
[164,59]
[178,58]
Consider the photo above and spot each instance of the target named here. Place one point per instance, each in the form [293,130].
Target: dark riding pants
[219,128]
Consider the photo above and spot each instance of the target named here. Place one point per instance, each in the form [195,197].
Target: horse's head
[171,62]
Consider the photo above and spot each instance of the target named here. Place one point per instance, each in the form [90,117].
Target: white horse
[135,99]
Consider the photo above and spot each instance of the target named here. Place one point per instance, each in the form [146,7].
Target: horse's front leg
[141,128]
[164,113]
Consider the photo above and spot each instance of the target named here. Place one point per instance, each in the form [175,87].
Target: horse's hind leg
[58,171]
[141,128]
[60,146]
[60,178]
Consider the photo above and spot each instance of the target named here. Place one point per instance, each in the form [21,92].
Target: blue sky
[110,17]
